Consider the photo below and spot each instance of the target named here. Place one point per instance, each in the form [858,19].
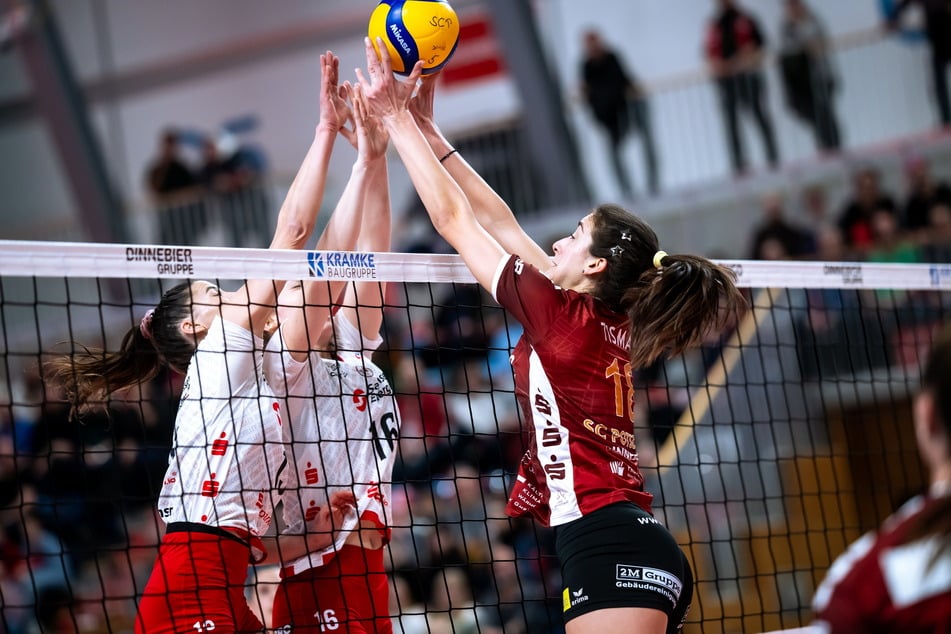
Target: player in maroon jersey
[899,579]
[608,301]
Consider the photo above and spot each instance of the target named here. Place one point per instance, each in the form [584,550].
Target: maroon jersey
[881,584]
[573,383]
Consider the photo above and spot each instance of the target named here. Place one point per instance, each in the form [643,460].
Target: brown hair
[671,307]
[89,375]
[936,381]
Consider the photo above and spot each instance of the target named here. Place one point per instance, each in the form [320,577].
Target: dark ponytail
[90,375]
[936,381]
[672,303]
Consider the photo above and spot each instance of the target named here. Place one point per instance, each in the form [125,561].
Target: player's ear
[595,266]
[193,328]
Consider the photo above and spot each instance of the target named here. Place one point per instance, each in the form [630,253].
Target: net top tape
[97,260]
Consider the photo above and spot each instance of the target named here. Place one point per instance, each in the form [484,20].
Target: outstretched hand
[334,111]
[385,96]
[371,136]
[421,104]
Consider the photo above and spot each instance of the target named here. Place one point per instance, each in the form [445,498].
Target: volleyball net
[768,450]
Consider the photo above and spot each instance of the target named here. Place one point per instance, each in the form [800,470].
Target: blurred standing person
[808,77]
[734,50]
[170,181]
[619,104]
[938,31]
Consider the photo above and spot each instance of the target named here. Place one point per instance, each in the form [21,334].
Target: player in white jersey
[341,426]
[227,456]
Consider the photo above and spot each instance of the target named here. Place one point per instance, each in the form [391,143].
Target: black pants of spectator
[635,117]
[939,68]
[638,113]
[825,125]
[746,90]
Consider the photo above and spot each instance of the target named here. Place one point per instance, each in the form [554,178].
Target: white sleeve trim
[498,275]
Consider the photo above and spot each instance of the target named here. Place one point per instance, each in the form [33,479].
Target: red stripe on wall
[478,55]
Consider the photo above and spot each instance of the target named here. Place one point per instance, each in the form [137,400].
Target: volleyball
[414,30]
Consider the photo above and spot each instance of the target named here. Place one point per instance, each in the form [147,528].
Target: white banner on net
[96,260]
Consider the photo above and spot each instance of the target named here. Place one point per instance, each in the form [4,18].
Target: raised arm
[305,330]
[363,301]
[251,305]
[490,210]
[444,200]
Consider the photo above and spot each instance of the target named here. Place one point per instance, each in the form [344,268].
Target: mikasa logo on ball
[395,30]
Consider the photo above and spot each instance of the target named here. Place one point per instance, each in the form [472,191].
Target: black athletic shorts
[621,557]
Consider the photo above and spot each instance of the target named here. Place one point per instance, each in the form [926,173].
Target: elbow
[445,219]
[293,233]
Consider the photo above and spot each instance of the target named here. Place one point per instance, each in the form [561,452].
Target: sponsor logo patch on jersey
[653,579]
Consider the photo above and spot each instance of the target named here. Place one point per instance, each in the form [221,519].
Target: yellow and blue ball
[414,30]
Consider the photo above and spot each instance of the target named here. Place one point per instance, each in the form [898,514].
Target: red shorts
[197,585]
[350,593]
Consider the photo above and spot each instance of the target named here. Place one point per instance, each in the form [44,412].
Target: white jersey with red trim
[341,430]
[227,449]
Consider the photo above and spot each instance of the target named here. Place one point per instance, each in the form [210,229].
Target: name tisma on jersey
[619,336]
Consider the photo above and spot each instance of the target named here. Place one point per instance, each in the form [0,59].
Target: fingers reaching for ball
[334,111]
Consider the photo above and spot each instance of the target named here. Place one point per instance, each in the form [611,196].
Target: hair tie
[658,259]
[145,326]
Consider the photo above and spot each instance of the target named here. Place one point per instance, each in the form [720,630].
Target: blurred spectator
[808,78]
[775,237]
[181,215]
[619,104]
[734,50]
[888,244]
[169,174]
[938,30]
[937,246]
[923,193]
[234,175]
[814,210]
[825,323]
[867,196]
[452,599]
[829,245]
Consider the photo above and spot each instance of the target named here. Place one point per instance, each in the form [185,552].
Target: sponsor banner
[20,258]
[864,275]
